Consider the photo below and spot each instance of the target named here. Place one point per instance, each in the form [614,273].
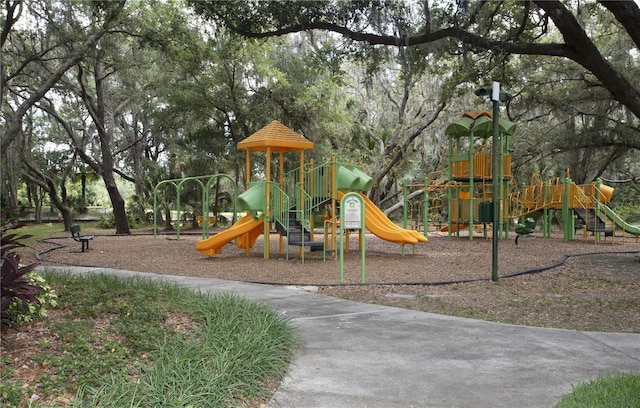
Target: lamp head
[484,91]
[488,92]
[505,96]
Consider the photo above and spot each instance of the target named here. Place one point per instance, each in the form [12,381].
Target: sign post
[352,217]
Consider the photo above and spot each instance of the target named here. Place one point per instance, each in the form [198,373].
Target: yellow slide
[382,227]
[245,225]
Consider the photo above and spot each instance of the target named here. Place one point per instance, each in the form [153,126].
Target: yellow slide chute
[245,227]
[381,226]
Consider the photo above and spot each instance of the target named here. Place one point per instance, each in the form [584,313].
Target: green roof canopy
[481,125]
[461,127]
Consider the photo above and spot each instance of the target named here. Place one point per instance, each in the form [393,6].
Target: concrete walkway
[360,355]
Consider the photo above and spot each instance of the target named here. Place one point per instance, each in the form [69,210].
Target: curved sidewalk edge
[361,355]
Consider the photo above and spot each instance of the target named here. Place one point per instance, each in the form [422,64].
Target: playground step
[298,235]
[294,229]
[588,218]
[313,245]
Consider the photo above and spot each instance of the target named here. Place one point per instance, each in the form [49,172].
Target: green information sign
[352,212]
[352,217]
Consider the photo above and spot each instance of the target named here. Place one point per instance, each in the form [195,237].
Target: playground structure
[307,197]
[206,183]
[464,199]
[300,201]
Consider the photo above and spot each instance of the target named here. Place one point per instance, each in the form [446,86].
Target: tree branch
[628,14]
[551,49]
[76,143]
[14,10]
[400,152]
[578,46]
[587,54]
[15,123]
[124,175]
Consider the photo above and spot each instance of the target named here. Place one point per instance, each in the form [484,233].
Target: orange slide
[245,225]
[454,228]
[382,227]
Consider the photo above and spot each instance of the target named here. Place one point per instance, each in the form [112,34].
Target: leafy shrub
[47,298]
[136,210]
[627,195]
[630,213]
[14,281]
[10,392]
[109,221]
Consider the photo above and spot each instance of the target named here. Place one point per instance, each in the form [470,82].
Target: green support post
[405,222]
[546,222]
[425,206]
[471,154]
[597,209]
[449,188]
[566,211]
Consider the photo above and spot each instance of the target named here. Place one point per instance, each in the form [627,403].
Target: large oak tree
[501,27]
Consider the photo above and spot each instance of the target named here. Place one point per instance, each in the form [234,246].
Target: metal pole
[495,188]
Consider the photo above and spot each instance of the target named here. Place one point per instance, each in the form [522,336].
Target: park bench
[77,236]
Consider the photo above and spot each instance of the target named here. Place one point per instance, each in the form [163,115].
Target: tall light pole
[496,196]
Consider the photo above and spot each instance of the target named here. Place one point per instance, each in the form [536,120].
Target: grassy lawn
[47,230]
[136,343]
[621,390]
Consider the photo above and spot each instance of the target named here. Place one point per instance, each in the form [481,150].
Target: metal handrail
[280,210]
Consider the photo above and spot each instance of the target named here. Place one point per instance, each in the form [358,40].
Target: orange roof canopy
[475,114]
[277,137]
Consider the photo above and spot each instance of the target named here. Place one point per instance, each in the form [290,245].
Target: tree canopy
[139,91]
[523,28]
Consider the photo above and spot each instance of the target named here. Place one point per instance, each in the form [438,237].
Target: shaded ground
[594,286]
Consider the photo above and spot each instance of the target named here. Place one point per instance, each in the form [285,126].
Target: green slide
[631,229]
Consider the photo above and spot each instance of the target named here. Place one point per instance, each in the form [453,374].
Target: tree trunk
[83,186]
[400,204]
[98,110]
[167,219]
[38,214]
[136,139]
[10,188]
[35,198]
[119,212]
[48,184]
[138,167]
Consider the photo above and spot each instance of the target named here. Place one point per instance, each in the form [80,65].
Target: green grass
[615,391]
[118,351]
[46,230]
